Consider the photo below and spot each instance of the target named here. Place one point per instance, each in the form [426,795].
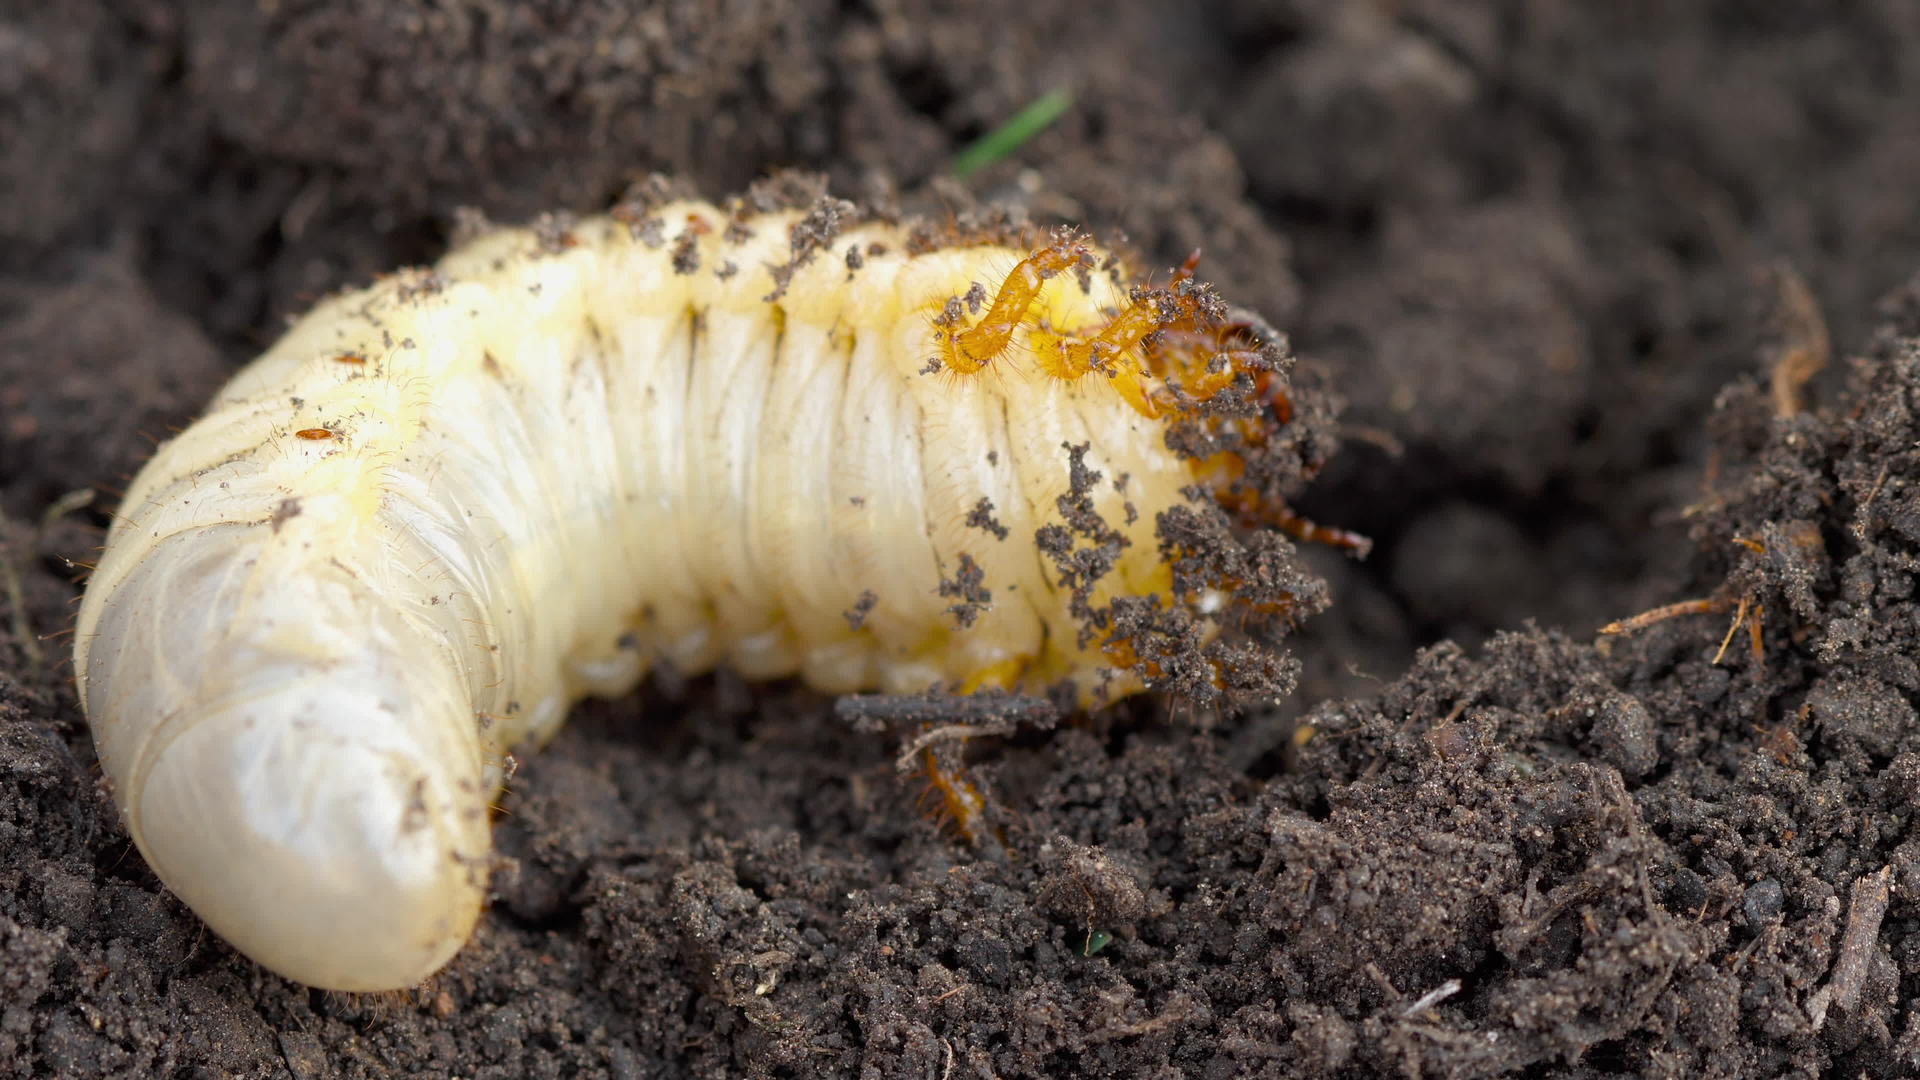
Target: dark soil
[1546,251]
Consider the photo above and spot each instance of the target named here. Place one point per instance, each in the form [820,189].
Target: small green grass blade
[1002,141]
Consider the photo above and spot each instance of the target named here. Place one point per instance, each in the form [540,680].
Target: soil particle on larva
[981,517]
[1532,272]
[967,588]
[857,614]
[812,234]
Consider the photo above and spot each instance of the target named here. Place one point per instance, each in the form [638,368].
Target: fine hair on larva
[780,434]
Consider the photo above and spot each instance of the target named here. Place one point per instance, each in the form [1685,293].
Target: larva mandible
[443,507]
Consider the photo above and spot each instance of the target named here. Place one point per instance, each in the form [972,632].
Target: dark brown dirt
[1525,240]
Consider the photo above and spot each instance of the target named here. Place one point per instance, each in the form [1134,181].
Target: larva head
[1219,378]
[1192,431]
[310,793]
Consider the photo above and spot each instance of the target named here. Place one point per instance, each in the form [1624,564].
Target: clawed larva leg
[957,802]
[1118,349]
[968,351]
[1312,532]
[1113,352]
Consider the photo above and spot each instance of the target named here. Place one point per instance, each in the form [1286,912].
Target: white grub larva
[442,508]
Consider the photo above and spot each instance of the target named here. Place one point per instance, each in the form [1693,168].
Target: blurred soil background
[1567,263]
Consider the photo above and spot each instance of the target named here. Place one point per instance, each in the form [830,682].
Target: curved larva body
[442,508]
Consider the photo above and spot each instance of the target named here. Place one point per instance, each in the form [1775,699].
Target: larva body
[442,508]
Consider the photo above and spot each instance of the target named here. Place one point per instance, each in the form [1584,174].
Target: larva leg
[967,351]
[957,802]
[1112,351]
[1313,532]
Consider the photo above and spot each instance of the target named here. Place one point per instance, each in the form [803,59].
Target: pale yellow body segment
[545,470]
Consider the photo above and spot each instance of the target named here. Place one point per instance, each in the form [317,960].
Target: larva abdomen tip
[348,869]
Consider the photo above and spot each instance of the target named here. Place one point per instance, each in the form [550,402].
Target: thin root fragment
[989,711]
[1746,611]
[1805,346]
[1739,616]
[1705,606]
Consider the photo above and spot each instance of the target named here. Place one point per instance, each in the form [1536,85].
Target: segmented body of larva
[442,508]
